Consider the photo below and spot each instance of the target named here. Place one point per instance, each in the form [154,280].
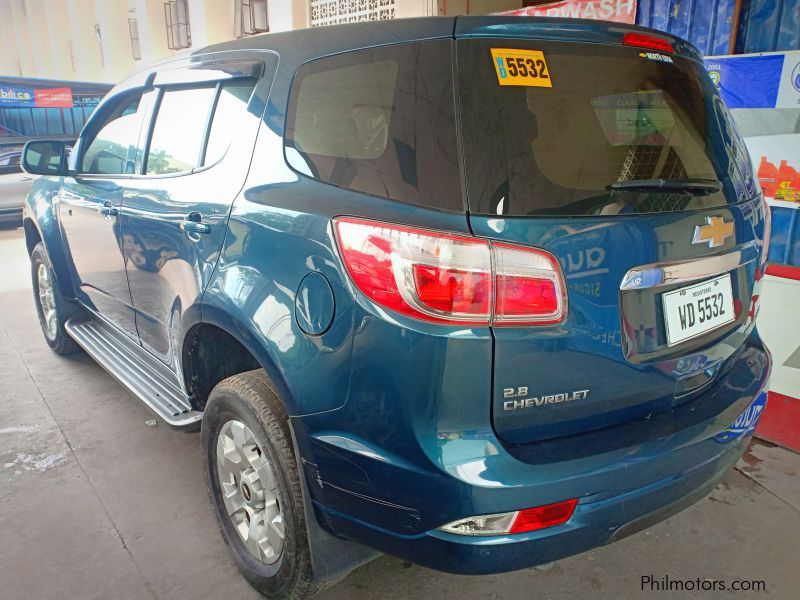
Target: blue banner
[16,97]
[747,81]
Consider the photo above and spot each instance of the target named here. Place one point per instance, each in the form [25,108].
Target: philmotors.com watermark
[665,583]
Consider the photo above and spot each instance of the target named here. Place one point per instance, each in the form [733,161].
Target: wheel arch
[32,234]
[40,224]
[219,334]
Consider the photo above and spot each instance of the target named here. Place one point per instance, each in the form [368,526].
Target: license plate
[697,309]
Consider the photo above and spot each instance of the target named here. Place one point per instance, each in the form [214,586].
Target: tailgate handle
[669,273]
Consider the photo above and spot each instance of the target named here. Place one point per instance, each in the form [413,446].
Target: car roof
[301,45]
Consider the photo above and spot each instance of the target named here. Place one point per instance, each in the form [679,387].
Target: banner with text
[24,97]
[768,80]
[621,11]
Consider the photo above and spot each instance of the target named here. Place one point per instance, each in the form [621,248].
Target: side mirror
[44,157]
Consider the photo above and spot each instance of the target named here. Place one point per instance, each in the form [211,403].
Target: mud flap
[332,558]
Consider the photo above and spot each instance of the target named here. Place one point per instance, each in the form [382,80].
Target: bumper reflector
[520,521]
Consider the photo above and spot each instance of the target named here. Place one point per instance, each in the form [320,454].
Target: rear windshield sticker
[521,67]
[656,56]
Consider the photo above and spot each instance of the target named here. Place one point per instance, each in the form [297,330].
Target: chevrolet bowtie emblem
[714,233]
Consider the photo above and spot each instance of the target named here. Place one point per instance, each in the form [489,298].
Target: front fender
[40,221]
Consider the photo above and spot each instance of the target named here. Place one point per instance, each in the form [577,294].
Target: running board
[142,374]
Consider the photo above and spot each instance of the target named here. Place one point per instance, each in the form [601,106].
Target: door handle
[192,225]
[108,210]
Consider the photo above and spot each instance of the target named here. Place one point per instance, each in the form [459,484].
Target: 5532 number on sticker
[521,67]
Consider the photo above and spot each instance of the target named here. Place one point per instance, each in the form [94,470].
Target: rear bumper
[593,524]
[394,498]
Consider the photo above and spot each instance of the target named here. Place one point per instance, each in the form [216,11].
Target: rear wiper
[692,186]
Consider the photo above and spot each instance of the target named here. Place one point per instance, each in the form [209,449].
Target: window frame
[239,8]
[133,32]
[96,122]
[216,69]
[153,118]
[459,207]
[177,30]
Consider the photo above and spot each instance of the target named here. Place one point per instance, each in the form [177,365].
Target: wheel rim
[250,492]
[47,301]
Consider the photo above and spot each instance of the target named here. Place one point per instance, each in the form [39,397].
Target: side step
[143,375]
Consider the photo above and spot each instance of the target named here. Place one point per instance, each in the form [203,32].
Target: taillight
[529,286]
[450,278]
[651,42]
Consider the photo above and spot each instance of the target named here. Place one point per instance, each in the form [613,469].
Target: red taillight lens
[437,277]
[450,278]
[541,517]
[526,295]
[452,290]
[529,286]
[651,42]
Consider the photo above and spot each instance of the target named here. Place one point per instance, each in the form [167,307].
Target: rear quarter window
[379,121]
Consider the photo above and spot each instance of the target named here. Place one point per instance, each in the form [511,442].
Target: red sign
[53,97]
[621,11]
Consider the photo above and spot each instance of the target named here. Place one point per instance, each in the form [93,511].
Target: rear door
[622,162]
[197,154]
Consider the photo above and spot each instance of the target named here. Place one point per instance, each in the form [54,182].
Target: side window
[10,157]
[113,149]
[9,160]
[228,116]
[179,130]
[379,121]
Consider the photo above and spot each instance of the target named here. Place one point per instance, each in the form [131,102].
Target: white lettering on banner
[621,11]
[626,7]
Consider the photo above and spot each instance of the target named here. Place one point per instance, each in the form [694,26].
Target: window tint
[113,149]
[610,114]
[179,130]
[228,115]
[379,121]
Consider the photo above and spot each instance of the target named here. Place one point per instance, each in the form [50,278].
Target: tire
[58,309]
[249,399]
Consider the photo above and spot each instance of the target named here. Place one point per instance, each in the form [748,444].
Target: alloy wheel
[250,492]
[47,301]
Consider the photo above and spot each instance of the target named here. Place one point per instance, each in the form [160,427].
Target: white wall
[35,35]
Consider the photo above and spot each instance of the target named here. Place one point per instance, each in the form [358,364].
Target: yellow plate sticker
[521,67]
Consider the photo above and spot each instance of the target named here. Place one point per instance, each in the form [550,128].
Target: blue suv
[477,292]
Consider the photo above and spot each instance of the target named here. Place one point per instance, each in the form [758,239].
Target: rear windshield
[549,126]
